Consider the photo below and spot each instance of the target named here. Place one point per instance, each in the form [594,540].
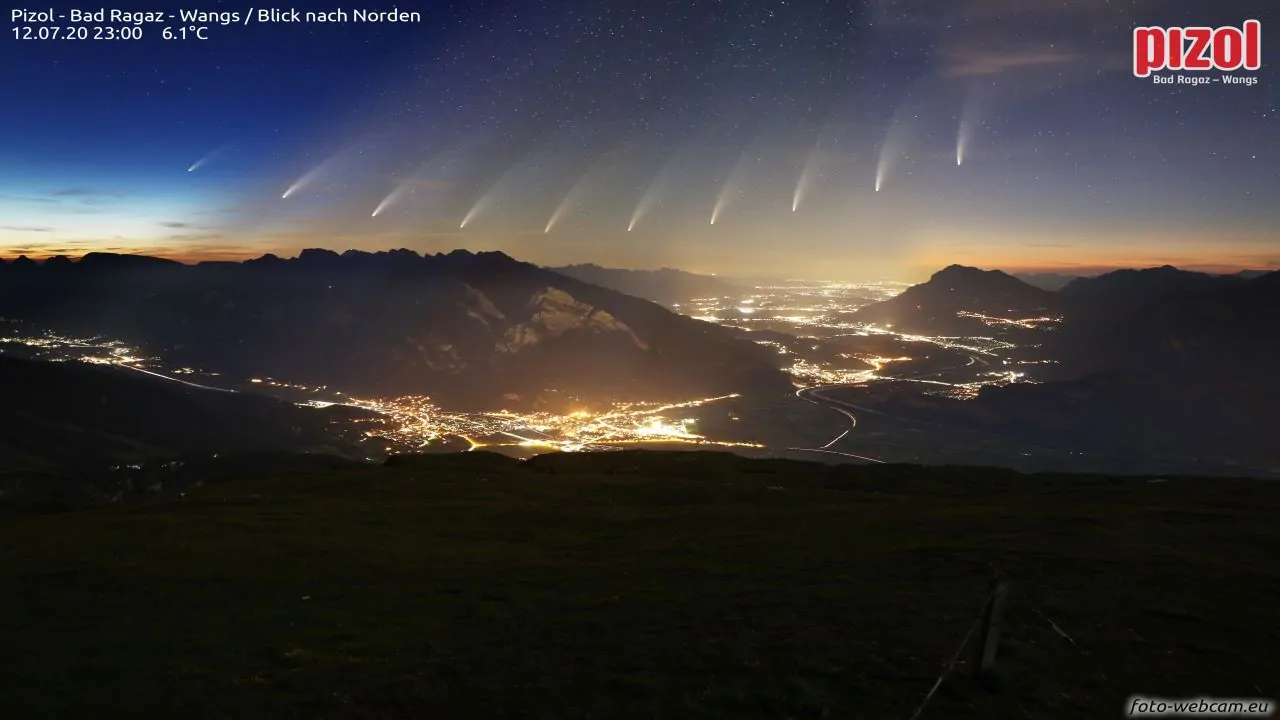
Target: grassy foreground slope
[630,585]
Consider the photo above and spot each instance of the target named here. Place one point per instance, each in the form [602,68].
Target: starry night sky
[550,128]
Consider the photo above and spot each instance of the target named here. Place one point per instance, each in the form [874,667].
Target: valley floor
[638,584]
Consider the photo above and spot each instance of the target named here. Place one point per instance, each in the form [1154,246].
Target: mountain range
[1108,322]
[665,286]
[476,330]
[1058,281]
[1158,361]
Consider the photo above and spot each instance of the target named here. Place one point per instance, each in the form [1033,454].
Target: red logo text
[1197,48]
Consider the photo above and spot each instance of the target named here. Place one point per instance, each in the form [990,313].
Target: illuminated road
[815,396]
[135,368]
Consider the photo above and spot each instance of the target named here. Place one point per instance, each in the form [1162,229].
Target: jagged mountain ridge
[470,328]
[666,286]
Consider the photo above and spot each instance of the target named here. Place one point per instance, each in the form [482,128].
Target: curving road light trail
[809,395]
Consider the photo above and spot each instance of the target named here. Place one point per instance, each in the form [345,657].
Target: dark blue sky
[615,131]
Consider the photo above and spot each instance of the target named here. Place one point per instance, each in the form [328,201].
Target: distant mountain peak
[938,305]
[115,260]
[972,276]
[957,268]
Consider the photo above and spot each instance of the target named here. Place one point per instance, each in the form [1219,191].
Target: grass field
[637,585]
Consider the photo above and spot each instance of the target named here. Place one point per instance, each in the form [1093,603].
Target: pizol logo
[1197,50]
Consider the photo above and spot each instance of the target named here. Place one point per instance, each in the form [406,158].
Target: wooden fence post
[989,630]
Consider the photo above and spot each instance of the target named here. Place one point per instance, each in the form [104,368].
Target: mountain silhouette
[476,329]
[1047,281]
[1153,365]
[665,286]
[1135,288]
[1183,326]
[937,306]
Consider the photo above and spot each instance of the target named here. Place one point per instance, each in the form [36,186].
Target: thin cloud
[86,192]
[27,199]
[196,237]
[1034,45]
[973,62]
[26,228]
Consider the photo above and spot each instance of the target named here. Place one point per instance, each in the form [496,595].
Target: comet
[575,192]
[209,157]
[888,157]
[647,199]
[323,168]
[301,182]
[651,193]
[560,210]
[390,200]
[426,169]
[555,216]
[484,200]
[509,169]
[730,185]
[480,204]
[646,202]
[307,178]
[806,176]
[895,141]
[599,167]
[968,121]
[802,186]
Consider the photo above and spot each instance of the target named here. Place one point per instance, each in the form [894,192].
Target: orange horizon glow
[921,268]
